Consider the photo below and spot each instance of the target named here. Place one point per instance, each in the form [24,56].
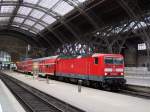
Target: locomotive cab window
[96,60]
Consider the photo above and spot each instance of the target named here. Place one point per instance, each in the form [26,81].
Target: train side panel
[81,67]
[47,66]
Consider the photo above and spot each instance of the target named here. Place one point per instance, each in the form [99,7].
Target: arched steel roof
[57,22]
[34,15]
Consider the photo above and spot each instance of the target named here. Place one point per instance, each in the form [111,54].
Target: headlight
[122,73]
[105,74]
[119,69]
[108,69]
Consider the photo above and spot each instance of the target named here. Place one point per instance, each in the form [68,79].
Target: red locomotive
[106,70]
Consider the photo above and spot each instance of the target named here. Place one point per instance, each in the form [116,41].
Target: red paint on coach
[47,65]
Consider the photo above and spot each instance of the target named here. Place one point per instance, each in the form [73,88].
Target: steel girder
[30,38]
[30,13]
[117,37]
[49,42]
[24,16]
[57,36]
[76,48]
[71,29]
[27,26]
[20,35]
[83,13]
[37,7]
[105,32]
[14,12]
[130,10]
[43,9]
[46,11]
[129,7]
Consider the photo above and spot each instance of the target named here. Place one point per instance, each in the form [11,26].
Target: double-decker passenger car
[106,70]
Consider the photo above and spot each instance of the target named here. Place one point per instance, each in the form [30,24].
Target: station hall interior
[85,48]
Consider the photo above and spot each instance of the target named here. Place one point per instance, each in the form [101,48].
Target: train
[105,70]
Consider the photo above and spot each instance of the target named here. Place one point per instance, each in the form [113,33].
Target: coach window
[48,66]
[96,60]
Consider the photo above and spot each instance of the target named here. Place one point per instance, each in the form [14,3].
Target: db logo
[72,66]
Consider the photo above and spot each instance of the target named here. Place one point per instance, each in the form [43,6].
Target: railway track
[34,100]
[138,91]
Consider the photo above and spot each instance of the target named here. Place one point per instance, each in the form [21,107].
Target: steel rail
[34,100]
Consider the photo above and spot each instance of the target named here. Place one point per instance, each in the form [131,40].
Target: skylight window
[31,1]
[63,8]
[11,0]
[7,9]
[24,10]
[39,27]
[37,14]
[3,19]
[19,20]
[81,1]
[48,19]
[48,3]
[29,22]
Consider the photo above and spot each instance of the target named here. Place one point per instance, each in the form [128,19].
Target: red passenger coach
[104,69]
[47,65]
[25,66]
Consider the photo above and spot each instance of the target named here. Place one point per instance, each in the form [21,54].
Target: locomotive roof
[93,55]
[99,54]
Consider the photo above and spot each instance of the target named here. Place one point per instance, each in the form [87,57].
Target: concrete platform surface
[138,80]
[8,102]
[90,100]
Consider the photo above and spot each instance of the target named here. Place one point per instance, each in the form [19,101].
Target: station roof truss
[57,23]
[34,15]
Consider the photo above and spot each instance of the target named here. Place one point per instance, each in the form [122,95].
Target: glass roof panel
[48,3]
[31,1]
[59,6]
[4,19]
[77,2]
[18,20]
[48,19]
[29,22]
[37,14]
[10,0]
[7,9]
[24,10]
[82,1]
[63,8]
[39,27]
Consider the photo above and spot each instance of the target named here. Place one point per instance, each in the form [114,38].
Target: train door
[35,68]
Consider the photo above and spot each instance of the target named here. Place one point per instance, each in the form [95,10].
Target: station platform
[138,80]
[8,102]
[89,99]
